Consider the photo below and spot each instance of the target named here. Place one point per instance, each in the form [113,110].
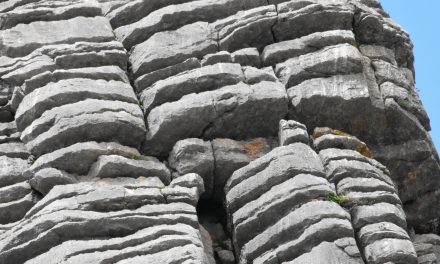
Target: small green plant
[135,157]
[356,44]
[403,103]
[31,160]
[248,82]
[339,199]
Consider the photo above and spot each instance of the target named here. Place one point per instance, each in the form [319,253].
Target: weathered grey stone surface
[254,75]
[276,209]
[299,19]
[111,166]
[85,107]
[249,28]
[70,91]
[194,81]
[44,180]
[148,79]
[231,111]
[39,11]
[79,157]
[14,150]
[375,208]
[247,57]
[194,156]
[175,16]
[132,11]
[154,131]
[171,47]
[221,56]
[328,253]
[333,60]
[23,39]
[292,132]
[284,50]
[231,155]
[107,73]
[379,252]
[427,247]
[106,126]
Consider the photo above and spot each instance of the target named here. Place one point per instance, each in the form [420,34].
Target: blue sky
[422,20]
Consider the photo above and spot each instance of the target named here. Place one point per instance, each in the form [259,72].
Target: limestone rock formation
[212,131]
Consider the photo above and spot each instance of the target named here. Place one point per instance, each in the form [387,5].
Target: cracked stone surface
[212,132]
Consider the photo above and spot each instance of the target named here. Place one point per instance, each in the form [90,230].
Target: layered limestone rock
[364,187]
[177,131]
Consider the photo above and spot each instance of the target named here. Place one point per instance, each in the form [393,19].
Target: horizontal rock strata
[180,131]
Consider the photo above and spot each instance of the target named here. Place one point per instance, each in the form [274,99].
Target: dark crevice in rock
[212,216]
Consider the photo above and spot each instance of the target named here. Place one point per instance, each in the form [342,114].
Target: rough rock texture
[180,131]
[365,189]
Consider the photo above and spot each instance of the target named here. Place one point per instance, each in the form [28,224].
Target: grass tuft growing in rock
[339,199]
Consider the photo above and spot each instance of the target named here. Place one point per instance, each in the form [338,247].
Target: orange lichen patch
[340,133]
[254,147]
[364,150]
[411,176]
[321,131]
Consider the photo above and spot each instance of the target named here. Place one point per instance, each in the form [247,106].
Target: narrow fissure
[212,217]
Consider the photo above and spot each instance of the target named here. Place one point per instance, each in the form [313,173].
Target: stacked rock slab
[427,247]
[353,73]
[16,194]
[117,115]
[123,220]
[364,187]
[78,115]
[215,160]
[278,211]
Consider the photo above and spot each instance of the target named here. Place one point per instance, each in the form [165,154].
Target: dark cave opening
[213,218]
